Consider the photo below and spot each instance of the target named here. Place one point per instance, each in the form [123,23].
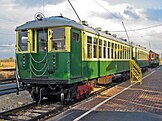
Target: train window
[121,50]
[115,51]
[95,48]
[89,47]
[104,49]
[23,41]
[128,53]
[42,38]
[112,51]
[33,42]
[125,52]
[108,50]
[138,54]
[58,39]
[123,55]
[75,36]
[118,51]
[100,48]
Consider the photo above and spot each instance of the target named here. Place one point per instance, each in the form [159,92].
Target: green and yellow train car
[58,56]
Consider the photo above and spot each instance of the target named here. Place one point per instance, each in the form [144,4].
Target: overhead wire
[135,30]
[106,9]
[139,29]
[144,28]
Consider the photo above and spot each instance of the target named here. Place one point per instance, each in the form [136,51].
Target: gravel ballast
[11,101]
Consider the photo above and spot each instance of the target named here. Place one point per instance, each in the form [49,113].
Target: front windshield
[58,39]
[23,41]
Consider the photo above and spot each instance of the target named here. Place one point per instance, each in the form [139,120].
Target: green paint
[76,54]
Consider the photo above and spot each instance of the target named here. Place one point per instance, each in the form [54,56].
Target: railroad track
[7,86]
[45,110]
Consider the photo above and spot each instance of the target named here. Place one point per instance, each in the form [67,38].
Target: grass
[7,63]
[7,74]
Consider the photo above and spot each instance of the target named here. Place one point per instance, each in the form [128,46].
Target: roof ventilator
[98,29]
[114,35]
[85,23]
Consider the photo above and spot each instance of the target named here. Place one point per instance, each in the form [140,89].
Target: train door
[39,60]
[76,54]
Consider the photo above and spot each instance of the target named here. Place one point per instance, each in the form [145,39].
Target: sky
[107,14]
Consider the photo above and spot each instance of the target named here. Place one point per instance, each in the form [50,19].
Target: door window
[42,38]
[75,36]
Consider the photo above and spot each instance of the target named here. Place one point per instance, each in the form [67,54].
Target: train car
[141,55]
[153,59]
[59,57]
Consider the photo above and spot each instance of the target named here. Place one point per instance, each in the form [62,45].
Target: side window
[23,40]
[112,51]
[124,52]
[115,51]
[121,52]
[75,36]
[108,50]
[128,53]
[89,47]
[58,39]
[104,49]
[33,41]
[118,52]
[100,48]
[95,48]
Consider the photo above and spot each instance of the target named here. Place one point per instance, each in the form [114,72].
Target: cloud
[16,12]
[154,14]
[130,11]
[31,3]
[120,12]
[115,15]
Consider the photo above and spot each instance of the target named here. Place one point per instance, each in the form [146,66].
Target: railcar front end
[49,59]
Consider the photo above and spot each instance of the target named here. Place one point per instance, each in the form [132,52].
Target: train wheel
[62,97]
[36,96]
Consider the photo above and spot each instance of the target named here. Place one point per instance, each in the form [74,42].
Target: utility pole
[74,10]
[126,31]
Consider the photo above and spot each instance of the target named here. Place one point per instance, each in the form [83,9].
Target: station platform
[123,102]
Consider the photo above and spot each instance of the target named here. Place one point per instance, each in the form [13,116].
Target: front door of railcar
[39,60]
[76,54]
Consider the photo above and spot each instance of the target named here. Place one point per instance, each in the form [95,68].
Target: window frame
[89,53]
[67,39]
[30,40]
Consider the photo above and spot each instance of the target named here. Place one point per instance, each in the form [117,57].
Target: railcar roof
[54,21]
[58,21]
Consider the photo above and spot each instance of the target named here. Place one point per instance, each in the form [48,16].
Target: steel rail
[9,79]
[50,113]
[7,69]
[5,114]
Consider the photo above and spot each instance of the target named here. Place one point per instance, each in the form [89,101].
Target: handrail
[135,72]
